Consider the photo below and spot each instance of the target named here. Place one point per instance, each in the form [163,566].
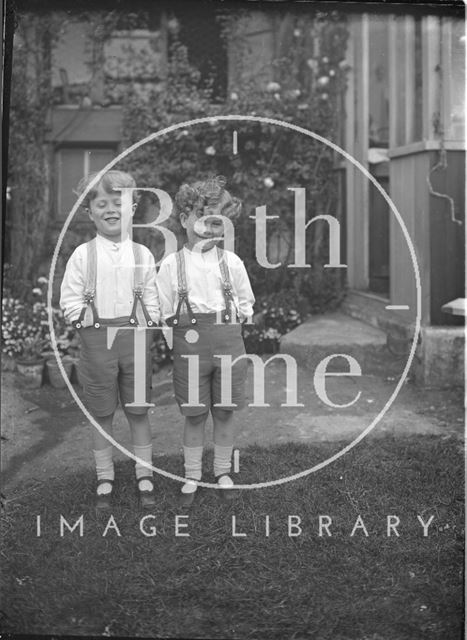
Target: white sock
[193,466]
[104,468]
[145,453]
[222,459]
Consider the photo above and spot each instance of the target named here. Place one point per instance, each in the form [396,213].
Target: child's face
[105,210]
[201,226]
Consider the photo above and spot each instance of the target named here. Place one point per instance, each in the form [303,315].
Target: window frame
[436,129]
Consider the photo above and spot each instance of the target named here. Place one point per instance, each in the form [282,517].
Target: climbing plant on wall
[28,159]
[305,88]
[303,84]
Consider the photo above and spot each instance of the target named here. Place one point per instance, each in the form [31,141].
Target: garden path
[44,433]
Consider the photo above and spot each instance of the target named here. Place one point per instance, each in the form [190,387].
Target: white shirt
[204,283]
[114,282]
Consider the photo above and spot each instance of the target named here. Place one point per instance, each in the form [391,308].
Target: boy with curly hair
[205,294]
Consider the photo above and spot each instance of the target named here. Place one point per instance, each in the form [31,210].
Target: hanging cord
[439,129]
[442,164]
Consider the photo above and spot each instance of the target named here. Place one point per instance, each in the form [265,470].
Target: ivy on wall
[29,162]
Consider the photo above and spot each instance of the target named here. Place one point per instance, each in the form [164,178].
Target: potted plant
[68,347]
[30,361]
[26,336]
[54,373]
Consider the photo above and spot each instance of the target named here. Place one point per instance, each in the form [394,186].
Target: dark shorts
[107,374]
[198,389]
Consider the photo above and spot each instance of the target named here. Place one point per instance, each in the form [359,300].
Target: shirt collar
[206,254]
[114,246]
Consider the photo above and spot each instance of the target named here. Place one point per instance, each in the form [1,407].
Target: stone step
[398,326]
[337,333]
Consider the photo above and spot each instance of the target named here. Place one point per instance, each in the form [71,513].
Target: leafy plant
[304,90]
[25,327]
[160,352]
[32,349]
[278,314]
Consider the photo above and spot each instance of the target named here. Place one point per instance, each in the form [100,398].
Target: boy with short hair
[212,288]
[110,282]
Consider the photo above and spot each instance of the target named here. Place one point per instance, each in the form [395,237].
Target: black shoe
[104,500]
[187,499]
[147,498]
[227,494]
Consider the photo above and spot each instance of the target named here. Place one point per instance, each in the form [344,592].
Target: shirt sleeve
[167,293]
[242,288]
[72,287]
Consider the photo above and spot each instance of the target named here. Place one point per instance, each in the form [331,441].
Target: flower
[324,59]
[297,33]
[312,64]
[234,96]
[32,348]
[268,182]
[210,151]
[273,87]
[323,81]
[277,96]
[173,25]
[26,327]
[324,96]
[42,280]
[302,106]
[332,73]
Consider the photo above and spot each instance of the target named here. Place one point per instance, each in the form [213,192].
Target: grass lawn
[213,584]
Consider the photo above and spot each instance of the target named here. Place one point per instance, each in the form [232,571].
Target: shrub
[305,91]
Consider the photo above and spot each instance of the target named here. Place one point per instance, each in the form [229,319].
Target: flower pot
[75,379]
[54,374]
[8,363]
[30,373]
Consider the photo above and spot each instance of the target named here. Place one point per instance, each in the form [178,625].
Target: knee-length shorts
[201,377]
[108,375]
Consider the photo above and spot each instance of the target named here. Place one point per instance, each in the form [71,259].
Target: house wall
[447,237]
[438,241]
[414,52]
[409,194]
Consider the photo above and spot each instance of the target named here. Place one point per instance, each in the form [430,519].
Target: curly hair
[207,193]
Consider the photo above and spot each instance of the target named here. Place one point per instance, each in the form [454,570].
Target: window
[427,79]
[72,164]
[198,28]
[453,52]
